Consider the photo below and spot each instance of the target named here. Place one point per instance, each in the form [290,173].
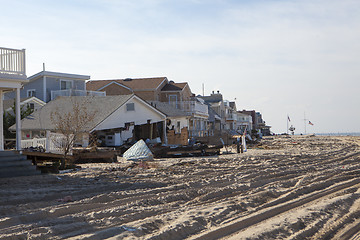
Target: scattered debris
[65,199]
[129,229]
[66,171]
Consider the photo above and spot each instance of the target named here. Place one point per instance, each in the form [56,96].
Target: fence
[35,142]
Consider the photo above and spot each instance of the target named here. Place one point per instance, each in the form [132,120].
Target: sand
[299,187]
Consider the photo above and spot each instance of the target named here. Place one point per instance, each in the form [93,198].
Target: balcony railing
[191,106]
[12,62]
[73,92]
[231,116]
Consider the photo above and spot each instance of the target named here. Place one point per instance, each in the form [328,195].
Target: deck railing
[53,143]
[231,116]
[12,61]
[191,107]
[73,92]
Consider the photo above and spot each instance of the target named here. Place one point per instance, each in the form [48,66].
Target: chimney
[212,92]
[218,91]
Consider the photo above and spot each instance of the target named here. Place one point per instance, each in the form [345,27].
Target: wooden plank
[45,154]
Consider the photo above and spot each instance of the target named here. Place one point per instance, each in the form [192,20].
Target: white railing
[73,92]
[56,143]
[201,133]
[231,116]
[12,61]
[53,143]
[35,142]
[191,106]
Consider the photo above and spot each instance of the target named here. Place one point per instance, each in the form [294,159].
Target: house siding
[139,116]
[36,84]
[51,85]
[186,95]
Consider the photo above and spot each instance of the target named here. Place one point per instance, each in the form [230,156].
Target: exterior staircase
[13,164]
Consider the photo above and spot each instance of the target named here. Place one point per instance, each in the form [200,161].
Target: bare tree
[71,125]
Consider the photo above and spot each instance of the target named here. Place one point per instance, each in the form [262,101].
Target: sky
[296,58]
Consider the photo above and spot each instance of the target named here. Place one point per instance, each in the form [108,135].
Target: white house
[12,77]
[244,121]
[116,119]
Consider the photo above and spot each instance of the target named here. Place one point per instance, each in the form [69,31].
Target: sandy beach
[299,187]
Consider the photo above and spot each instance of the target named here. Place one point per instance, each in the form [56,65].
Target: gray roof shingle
[103,106]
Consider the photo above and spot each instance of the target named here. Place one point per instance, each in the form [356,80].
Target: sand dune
[302,187]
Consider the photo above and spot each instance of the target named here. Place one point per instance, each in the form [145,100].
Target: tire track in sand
[266,214]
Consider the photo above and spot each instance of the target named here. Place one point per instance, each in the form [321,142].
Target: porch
[192,107]
[12,75]
[51,143]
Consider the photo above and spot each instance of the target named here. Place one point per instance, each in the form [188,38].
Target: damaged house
[117,119]
[184,110]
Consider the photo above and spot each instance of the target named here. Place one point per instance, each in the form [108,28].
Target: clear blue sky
[277,57]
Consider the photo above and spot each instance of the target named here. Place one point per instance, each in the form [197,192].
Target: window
[173,100]
[130,107]
[65,84]
[31,106]
[31,93]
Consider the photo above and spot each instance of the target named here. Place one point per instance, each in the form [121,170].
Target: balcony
[193,107]
[73,92]
[231,117]
[12,64]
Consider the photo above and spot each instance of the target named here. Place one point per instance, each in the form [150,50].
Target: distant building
[258,123]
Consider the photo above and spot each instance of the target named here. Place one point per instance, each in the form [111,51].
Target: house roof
[133,83]
[103,106]
[172,86]
[168,110]
[212,98]
[8,103]
[58,75]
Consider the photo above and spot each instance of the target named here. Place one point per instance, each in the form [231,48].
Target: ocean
[339,134]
